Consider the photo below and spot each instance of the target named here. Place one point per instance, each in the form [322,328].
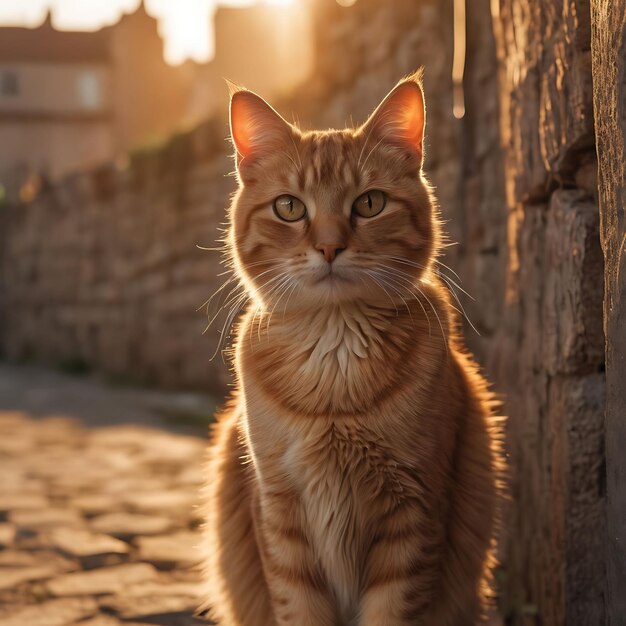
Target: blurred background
[115,173]
[86,82]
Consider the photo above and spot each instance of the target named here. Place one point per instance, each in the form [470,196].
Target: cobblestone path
[98,526]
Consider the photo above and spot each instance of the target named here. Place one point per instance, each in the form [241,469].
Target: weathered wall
[609,71]
[104,268]
[550,351]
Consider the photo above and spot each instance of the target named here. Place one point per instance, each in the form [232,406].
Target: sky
[183,24]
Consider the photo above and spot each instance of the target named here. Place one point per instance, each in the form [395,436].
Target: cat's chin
[332,281]
[335,289]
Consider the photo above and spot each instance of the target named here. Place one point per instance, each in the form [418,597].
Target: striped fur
[353,478]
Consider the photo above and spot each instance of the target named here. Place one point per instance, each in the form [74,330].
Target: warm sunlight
[185,25]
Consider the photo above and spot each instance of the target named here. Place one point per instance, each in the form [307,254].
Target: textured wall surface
[550,351]
[609,66]
[103,268]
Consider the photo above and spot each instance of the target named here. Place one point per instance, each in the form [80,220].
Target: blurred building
[74,99]
[267,48]
[149,96]
[70,100]
[55,100]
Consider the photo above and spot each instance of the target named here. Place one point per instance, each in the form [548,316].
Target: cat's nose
[330,250]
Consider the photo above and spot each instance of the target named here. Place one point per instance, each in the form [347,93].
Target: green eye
[289,208]
[369,204]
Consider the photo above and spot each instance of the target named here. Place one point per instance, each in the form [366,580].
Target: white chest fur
[336,462]
[336,468]
[323,361]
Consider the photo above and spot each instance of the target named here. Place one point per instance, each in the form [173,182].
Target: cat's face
[331,216]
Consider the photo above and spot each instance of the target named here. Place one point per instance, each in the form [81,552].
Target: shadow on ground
[42,392]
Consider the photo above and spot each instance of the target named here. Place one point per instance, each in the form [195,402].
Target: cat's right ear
[400,117]
[255,127]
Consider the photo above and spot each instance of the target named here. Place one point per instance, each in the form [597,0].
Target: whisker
[238,286]
[236,298]
[448,282]
[370,274]
[462,311]
[416,286]
[232,278]
[370,152]
[443,332]
[227,325]
[386,280]
[282,289]
[297,153]
[222,249]
[388,270]
[438,271]
[220,288]
[296,284]
[367,138]
[447,267]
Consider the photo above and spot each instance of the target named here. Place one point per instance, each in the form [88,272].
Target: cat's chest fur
[340,470]
[335,361]
[342,455]
[344,476]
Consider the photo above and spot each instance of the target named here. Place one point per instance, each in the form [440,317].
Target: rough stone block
[572,321]
[101,581]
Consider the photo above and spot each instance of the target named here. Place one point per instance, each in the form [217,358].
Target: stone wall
[103,269]
[609,70]
[550,349]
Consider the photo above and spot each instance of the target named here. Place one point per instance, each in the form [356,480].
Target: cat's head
[331,216]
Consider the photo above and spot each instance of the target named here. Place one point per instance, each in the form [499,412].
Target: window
[89,91]
[9,84]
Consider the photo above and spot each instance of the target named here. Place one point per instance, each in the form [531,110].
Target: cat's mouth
[331,277]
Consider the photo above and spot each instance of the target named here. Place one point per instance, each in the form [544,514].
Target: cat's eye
[370,203]
[289,208]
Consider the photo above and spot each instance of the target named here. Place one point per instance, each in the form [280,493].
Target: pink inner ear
[413,119]
[255,126]
[400,117]
[241,125]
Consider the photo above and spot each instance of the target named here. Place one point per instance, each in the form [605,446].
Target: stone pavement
[98,526]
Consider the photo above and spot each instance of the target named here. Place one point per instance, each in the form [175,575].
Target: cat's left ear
[400,118]
[255,127]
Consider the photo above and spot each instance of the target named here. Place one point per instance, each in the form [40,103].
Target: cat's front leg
[401,573]
[385,606]
[297,587]
[401,601]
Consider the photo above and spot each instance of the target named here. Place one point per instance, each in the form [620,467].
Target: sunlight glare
[185,25]
[81,15]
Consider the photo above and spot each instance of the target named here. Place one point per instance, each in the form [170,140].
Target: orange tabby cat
[353,478]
